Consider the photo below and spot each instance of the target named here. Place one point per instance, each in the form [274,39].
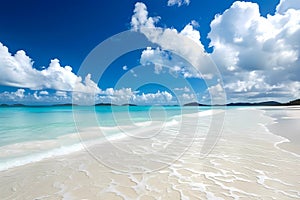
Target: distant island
[105,104]
[265,103]
[128,104]
[110,104]
[66,104]
[194,104]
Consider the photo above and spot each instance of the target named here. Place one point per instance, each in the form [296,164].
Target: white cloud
[61,94]
[258,56]
[109,95]
[184,89]
[35,95]
[13,96]
[215,90]
[215,95]
[19,93]
[155,56]
[251,81]
[43,92]
[126,95]
[115,96]
[185,44]
[159,97]
[284,5]
[191,33]
[163,59]
[17,71]
[125,68]
[187,98]
[178,2]
[140,17]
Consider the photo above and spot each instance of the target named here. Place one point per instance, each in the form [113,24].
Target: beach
[255,157]
[286,124]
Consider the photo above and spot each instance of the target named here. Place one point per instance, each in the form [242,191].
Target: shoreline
[244,164]
[285,124]
[79,141]
[281,122]
[287,144]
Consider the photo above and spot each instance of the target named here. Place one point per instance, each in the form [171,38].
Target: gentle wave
[282,139]
[40,156]
[34,151]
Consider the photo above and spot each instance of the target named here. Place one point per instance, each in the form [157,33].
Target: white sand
[244,164]
[287,125]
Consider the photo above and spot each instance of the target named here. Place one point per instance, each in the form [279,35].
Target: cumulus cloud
[256,54]
[178,2]
[272,41]
[185,43]
[39,95]
[109,95]
[19,93]
[258,57]
[165,61]
[14,96]
[285,5]
[126,95]
[187,98]
[155,56]
[17,71]
[140,17]
[32,97]
[159,97]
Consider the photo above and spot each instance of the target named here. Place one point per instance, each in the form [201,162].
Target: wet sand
[287,125]
[245,164]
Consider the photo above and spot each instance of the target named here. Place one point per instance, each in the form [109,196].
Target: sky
[206,51]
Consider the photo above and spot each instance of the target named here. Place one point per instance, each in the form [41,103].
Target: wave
[23,153]
[19,161]
[282,138]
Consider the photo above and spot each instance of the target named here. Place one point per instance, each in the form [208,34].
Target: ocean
[29,134]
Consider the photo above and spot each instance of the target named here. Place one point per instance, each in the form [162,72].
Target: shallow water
[246,163]
[29,134]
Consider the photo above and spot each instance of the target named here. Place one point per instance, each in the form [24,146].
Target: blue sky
[254,45]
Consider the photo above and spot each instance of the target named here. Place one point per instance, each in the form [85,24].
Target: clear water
[20,124]
[29,134]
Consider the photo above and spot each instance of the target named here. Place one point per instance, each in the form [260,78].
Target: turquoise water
[30,134]
[28,123]
[21,124]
